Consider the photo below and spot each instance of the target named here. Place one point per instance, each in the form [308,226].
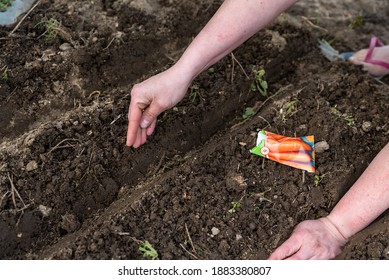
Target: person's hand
[149,99]
[311,240]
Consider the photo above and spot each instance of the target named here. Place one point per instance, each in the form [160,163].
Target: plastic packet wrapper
[298,152]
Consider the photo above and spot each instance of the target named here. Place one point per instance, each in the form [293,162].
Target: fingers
[286,250]
[150,115]
[138,138]
[134,116]
[151,128]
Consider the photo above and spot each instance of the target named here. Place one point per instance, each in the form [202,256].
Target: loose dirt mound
[71,189]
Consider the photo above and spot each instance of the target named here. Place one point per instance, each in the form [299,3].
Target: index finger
[134,116]
[287,249]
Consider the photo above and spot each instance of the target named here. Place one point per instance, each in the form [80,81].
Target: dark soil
[71,189]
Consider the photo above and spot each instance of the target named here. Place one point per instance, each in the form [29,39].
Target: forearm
[367,198]
[232,24]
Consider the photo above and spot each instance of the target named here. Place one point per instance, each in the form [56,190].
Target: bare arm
[362,204]
[232,24]
[367,198]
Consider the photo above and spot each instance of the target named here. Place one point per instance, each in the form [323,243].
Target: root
[58,146]
[15,194]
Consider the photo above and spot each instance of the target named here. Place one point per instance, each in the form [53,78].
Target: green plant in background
[317,16]
[248,112]
[318,179]
[52,28]
[4,75]
[356,22]
[348,119]
[211,70]
[234,206]
[148,251]
[288,109]
[194,92]
[259,83]
[4,4]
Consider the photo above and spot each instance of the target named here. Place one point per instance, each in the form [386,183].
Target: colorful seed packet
[298,152]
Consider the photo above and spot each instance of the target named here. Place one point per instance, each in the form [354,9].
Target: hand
[149,99]
[311,240]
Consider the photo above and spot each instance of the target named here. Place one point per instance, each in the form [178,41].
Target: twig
[24,17]
[264,120]
[4,197]
[159,163]
[109,44]
[240,65]
[58,146]
[193,256]
[9,97]
[314,25]
[190,239]
[15,191]
[115,120]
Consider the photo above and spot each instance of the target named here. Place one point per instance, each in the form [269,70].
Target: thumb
[150,115]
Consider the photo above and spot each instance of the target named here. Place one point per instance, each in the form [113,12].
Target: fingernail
[144,123]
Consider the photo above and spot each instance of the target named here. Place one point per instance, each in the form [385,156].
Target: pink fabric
[373,43]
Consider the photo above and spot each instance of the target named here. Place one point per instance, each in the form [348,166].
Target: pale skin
[362,204]
[234,23]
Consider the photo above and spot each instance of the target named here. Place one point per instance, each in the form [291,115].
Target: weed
[4,4]
[211,70]
[356,22]
[317,16]
[235,205]
[288,109]
[4,75]
[148,250]
[248,112]
[318,179]
[52,28]
[194,92]
[259,83]
[348,119]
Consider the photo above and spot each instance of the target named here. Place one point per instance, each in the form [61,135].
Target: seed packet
[298,152]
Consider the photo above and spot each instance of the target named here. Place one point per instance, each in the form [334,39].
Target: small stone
[252,226]
[238,237]
[32,165]
[59,125]
[321,146]
[65,47]
[70,223]
[44,210]
[215,231]
[366,126]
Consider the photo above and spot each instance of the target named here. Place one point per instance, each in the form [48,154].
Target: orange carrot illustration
[304,166]
[297,152]
[275,136]
[295,156]
[287,145]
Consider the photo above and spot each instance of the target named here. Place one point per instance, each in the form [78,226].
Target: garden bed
[71,189]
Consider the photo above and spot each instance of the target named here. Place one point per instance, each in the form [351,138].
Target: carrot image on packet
[298,152]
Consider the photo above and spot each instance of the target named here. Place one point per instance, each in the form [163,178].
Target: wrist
[335,230]
[189,67]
